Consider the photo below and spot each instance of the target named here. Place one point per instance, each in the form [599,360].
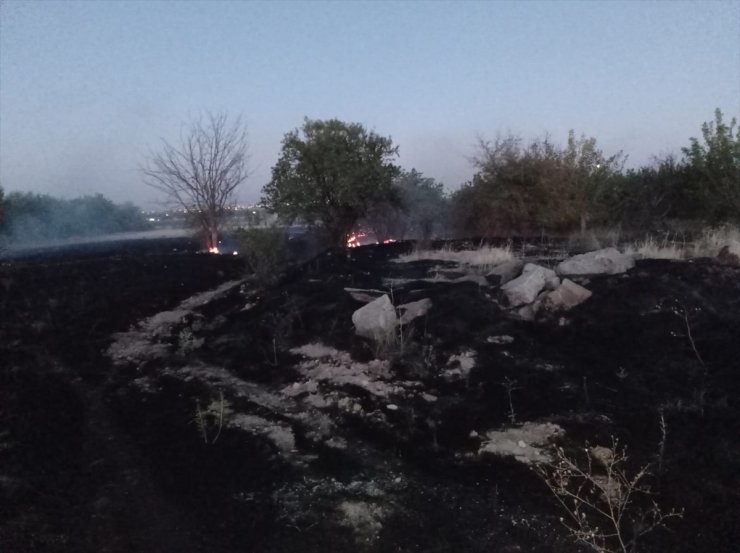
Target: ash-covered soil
[159,403]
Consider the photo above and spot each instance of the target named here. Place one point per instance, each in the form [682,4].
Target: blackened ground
[90,464]
[70,480]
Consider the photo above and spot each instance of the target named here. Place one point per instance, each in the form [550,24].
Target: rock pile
[540,288]
[526,289]
[379,319]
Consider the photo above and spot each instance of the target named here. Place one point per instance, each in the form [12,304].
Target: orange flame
[353,240]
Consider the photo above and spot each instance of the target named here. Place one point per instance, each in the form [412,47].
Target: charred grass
[86,453]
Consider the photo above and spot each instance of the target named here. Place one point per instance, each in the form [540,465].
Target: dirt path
[125,509]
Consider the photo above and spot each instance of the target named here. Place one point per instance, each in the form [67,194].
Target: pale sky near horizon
[88,88]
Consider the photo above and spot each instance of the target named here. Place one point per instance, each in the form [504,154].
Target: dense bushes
[420,210]
[522,188]
[34,218]
[264,250]
[540,186]
[703,185]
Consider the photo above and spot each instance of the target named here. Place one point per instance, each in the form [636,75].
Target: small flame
[389,241]
[213,249]
[353,241]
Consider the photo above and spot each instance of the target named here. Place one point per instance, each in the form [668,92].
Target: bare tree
[202,173]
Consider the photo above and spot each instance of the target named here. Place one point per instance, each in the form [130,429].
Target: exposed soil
[151,401]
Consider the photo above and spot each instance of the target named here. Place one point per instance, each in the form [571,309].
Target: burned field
[155,401]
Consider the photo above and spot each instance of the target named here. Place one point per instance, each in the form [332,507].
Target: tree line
[341,174]
[524,188]
[28,217]
[338,176]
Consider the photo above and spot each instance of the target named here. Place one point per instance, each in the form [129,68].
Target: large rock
[525,288]
[414,309]
[568,295]
[552,280]
[728,257]
[504,272]
[608,261]
[376,320]
[477,279]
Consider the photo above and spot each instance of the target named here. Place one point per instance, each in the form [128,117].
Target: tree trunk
[211,234]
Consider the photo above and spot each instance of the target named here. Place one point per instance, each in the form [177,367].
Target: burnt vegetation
[158,398]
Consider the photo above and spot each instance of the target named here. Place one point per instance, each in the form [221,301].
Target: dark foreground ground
[207,430]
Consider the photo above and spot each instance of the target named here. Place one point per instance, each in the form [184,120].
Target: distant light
[235,253]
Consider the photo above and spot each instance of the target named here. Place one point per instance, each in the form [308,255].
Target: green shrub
[264,250]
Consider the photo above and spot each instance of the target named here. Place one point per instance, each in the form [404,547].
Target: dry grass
[713,240]
[708,244]
[485,256]
[650,248]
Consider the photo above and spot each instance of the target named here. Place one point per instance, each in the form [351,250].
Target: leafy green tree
[586,173]
[645,197]
[470,212]
[714,170]
[331,172]
[422,212]
[427,205]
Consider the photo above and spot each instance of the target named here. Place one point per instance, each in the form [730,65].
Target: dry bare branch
[203,172]
[606,509]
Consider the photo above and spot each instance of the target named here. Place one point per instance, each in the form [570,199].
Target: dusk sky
[87,89]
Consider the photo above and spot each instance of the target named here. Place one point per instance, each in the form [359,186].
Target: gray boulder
[376,320]
[727,257]
[552,281]
[525,288]
[568,295]
[504,272]
[526,312]
[414,309]
[608,261]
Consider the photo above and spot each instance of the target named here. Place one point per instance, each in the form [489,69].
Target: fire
[213,249]
[353,241]
[356,239]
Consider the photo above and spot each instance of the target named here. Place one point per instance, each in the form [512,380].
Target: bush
[604,508]
[524,188]
[714,171]
[264,249]
[35,218]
